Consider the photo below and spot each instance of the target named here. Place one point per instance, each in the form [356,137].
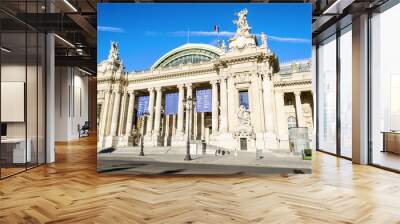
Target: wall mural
[204,108]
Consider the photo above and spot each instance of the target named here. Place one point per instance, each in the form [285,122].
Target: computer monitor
[3,129]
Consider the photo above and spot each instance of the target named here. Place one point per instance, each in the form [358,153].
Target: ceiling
[332,15]
[73,21]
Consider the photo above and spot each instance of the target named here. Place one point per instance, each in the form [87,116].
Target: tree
[274,63]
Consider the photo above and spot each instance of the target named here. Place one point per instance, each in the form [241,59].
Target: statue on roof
[113,55]
[242,25]
[243,38]
[223,46]
[264,43]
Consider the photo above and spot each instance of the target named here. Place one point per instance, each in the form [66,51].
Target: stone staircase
[217,150]
[210,150]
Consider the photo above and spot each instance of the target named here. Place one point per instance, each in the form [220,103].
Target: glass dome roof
[186,54]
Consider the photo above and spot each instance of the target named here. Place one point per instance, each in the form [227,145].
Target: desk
[391,141]
[13,150]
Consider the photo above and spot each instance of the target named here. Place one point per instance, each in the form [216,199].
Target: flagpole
[216,29]
[218,37]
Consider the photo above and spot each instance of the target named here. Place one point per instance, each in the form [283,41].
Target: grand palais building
[240,103]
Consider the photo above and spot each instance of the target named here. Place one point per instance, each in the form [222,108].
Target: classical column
[224,106]
[195,122]
[202,126]
[233,104]
[281,114]
[189,92]
[157,118]
[268,104]
[181,96]
[130,114]
[149,127]
[173,124]
[257,118]
[261,102]
[214,116]
[122,115]
[166,133]
[299,109]
[104,114]
[109,114]
[115,113]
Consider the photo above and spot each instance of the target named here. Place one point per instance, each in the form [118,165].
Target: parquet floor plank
[71,191]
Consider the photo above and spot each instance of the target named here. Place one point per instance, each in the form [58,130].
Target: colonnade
[282,114]
[117,115]
[267,107]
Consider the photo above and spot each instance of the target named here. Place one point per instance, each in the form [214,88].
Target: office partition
[22,77]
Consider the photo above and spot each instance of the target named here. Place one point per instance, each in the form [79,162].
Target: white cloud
[231,34]
[288,39]
[203,33]
[227,34]
[110,29]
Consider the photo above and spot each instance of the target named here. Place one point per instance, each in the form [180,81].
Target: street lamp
[189,103]
[145,115]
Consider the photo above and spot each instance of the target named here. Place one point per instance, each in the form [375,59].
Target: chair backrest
[86,125]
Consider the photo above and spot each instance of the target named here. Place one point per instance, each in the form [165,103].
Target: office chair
[84,130]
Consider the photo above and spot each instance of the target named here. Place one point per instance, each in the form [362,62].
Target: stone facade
[275,100]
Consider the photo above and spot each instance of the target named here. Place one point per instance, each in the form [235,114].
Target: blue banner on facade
[171,103]
[244,99]
[204,100]
[143,105]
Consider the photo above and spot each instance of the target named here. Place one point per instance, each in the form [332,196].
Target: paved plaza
[164,160]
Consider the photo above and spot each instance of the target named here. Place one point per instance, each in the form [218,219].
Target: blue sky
[145,32]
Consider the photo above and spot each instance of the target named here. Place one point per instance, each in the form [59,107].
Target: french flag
[216,28]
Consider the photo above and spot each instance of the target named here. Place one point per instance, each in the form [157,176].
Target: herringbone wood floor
[70,191]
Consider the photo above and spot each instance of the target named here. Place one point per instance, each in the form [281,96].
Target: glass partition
[14,153]
[385,89]
[327,95]
[22,88]
[346,92]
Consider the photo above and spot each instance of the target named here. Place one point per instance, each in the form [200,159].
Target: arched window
[292,122]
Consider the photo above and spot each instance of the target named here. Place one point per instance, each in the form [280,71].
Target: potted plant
[307,154]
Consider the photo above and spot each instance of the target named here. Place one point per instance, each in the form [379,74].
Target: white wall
[71,102]
[61,105]
[33,126]
[14,73]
